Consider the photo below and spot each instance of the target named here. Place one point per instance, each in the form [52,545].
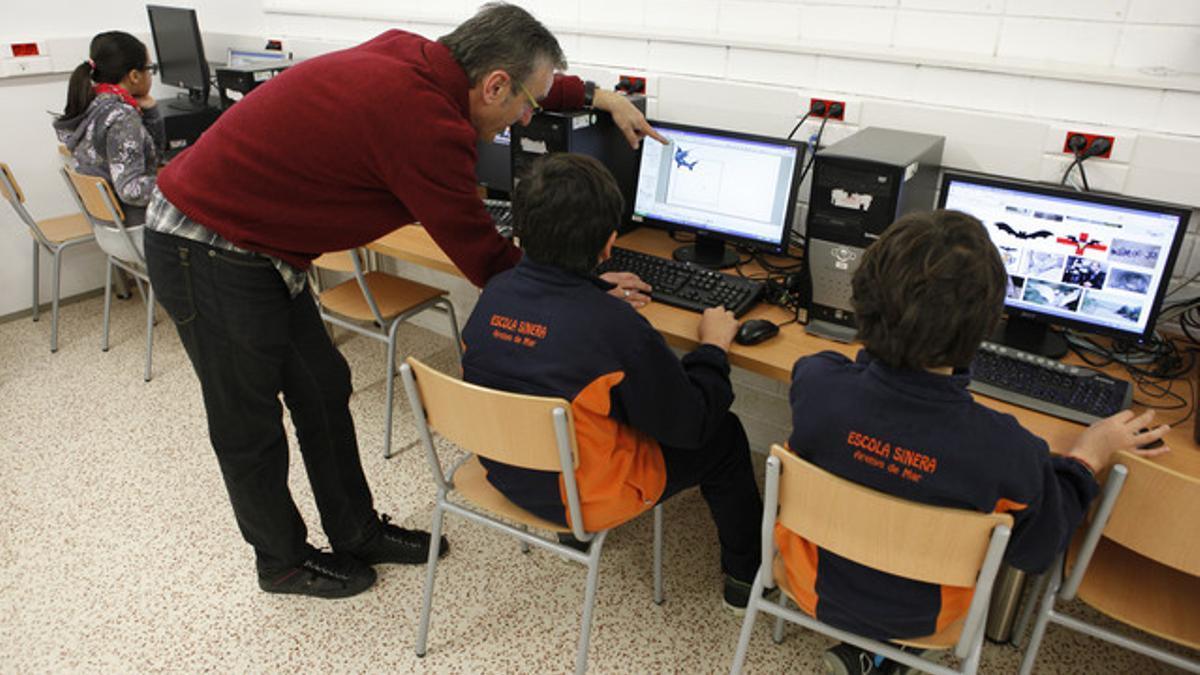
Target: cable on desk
[1154,368]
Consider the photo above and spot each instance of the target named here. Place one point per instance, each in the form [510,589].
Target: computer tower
[860,186]
[588,132]
[183,127]
[234,82]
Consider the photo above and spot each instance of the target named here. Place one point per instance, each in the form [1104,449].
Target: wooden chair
[374,304]
[527,431]
[55,235]
[936,545]
[122,245]
[1131,572]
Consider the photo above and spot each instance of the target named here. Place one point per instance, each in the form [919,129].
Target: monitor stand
[196,101]
[1030,336]
[707,252]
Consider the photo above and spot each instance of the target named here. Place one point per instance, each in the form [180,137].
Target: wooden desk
[774,358]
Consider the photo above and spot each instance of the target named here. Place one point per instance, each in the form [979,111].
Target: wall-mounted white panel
[961,33]
[753,65]
[988,92]
[774,21]
[1057,41]
[770,111]
[867,78]
[1102,176]
[1172,47]
[676,57]
[610,52]
[850,25]
[1096,103]
[1180,113]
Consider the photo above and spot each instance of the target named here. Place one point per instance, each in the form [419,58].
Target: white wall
[27,143]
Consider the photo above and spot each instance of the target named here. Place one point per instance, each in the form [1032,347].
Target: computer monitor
[493,169]
[723,186]
[240,58]
[180,52]
[1093,262]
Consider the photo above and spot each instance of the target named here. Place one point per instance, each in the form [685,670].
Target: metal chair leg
[107,304]
[435,531]
[149,328]
[54,300]
[1044,607]
[658,554]
[524,544]
[777,631]
[739,657]
[589,603]
[391,388]
[37,258]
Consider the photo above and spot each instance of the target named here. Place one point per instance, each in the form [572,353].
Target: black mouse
[1152,444]
[755,331]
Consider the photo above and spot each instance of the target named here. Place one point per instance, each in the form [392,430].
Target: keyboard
[1074,393]
[501,212]
[686,285]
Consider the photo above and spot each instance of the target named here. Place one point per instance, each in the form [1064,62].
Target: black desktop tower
[860,185]
[588,132]
[183,127]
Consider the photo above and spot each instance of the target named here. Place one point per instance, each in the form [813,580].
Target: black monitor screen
[1099,263]
[179,48]
[721,184]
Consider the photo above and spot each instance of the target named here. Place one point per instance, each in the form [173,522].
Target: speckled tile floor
[119,553]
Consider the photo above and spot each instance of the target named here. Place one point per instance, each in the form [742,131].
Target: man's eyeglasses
[534,106]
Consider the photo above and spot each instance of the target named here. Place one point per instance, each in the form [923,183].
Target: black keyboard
[501,212]
[1071,392]
[684,284]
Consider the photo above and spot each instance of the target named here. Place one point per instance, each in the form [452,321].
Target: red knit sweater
[341,149]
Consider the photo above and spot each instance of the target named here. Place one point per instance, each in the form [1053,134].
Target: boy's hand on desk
[717,327]
[1123,431]
[630,288]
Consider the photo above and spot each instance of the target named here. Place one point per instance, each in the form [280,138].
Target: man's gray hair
[503,37]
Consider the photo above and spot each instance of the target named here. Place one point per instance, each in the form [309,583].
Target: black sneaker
[737,595]
[393,544]
[846,659]
[322,575]
[568,539]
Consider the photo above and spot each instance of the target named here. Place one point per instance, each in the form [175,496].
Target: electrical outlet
[24,49]
[1090,138]
[841,114]
[631,84]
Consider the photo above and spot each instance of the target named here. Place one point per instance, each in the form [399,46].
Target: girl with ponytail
[111,124]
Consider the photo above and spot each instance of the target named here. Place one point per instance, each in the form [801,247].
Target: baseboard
[45,307]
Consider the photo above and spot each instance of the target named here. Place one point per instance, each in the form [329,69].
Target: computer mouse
[1158,443]
[755,331]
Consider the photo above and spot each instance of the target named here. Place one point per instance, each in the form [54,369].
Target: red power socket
[632,84]
[1091,138]
[24,49]
[841,115]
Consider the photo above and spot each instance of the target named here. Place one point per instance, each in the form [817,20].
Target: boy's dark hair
[503,37]
[114,54]
[565,209]
[929,291]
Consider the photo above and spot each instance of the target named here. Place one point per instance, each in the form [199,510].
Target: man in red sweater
[330,155]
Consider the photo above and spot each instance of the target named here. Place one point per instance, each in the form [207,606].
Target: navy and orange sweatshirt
[919,436]
[341,149]
[541,330]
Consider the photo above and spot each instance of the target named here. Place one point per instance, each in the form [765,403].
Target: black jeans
[723,470]
[249,341]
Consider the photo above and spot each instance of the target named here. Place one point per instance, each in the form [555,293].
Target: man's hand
[1123,431]
[629,288]
[626,116]
[717,327]
[146,102]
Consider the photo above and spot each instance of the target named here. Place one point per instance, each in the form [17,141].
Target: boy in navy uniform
[927,293]
[648,424]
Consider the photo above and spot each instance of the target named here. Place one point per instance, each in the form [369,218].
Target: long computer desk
[774,360]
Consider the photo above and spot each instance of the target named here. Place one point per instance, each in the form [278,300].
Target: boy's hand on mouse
[1123,431]
[717,327]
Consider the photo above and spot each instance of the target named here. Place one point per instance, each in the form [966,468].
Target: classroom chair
[374,304]
[937,545]
[1138,562]
[122,245]
[528,431]
[56,235]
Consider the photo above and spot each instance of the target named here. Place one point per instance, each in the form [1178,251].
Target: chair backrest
[351,261]
[9,188]
[933,544]
[511,428]
[1167,498]
[99,203]
[336,261]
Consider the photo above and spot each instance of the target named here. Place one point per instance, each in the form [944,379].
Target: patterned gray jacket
[112,140]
